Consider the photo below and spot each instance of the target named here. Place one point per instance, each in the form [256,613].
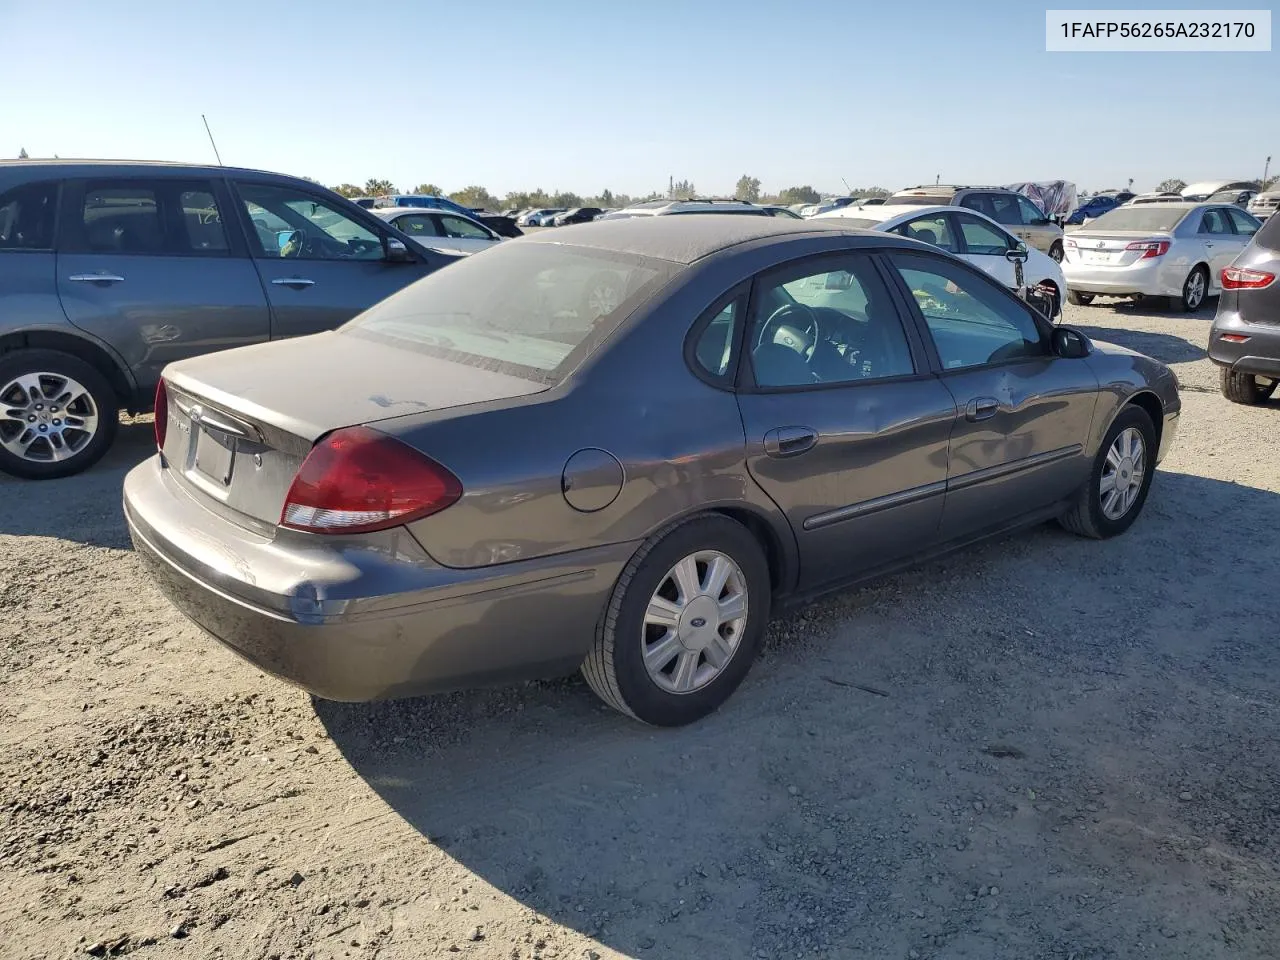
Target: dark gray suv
[1245,338]
[110,270]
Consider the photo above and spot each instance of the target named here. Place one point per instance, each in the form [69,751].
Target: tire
[1055,251]
[95,405]
[1087,517]
[1079,299]
[1244,388]
[615,668]
[1193,296]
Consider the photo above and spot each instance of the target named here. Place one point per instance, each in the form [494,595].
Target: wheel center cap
[1126,470]
[699,623]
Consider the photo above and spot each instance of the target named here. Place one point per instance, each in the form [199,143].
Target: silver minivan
[109,271]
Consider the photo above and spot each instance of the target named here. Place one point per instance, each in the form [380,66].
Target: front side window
[935,230]
[971,320]
[1030,212]
[464,229]
[530,310]
[27,216]
[294,225]
[826,322]
[982,239]
[1245,225]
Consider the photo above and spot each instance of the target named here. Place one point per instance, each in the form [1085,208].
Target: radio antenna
[211,143]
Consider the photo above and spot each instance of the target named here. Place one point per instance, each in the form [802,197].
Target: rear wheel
[1079,299]
[1194,291]
[1246,388]
[1055,251]
[684,623]
[58,414]
[1111,499]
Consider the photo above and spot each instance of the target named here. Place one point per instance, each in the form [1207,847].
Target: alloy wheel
[1195,290]
[1123,473]
[694,622]
[46,417]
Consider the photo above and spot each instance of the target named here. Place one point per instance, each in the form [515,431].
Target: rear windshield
[1153,216]
[531,310]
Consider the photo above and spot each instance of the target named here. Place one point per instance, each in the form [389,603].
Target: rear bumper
[1259,355]
[347,622]
[1146,277]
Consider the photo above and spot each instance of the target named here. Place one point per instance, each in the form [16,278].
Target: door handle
[789,441]
[293,282]
[981,408]
[96,278]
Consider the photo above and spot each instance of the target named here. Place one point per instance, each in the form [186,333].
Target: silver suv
[1006,207]
[109,271]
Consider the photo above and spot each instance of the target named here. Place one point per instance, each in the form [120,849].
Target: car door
[986,246]
[28,269]
[156,268]
[846,429]
[320,263]
[1221,242]
[1018,441]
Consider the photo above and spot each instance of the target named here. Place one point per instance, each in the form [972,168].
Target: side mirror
[397,252]
[1070,344]
[1018,254]
[288,242]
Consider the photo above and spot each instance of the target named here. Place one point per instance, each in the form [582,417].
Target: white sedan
[441,230]
[1173,250]
[966,233]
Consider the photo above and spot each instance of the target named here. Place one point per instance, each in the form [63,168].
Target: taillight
[1068,242]
[356,480]
[162,414]
[1150,248]
[1239,278]
[1233,337]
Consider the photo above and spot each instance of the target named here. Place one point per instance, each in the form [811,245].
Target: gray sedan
[476,481]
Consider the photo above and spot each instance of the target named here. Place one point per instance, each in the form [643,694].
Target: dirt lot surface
[1042,748]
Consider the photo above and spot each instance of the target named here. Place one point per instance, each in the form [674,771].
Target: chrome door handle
[293,282]
[1208,243]
[981,408]
[789,441]
[96,278]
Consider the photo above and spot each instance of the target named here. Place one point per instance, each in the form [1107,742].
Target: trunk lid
[1109,248]
[241,422]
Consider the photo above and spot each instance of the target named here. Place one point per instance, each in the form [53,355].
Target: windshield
[859,223]
[532,310]
[1145,218]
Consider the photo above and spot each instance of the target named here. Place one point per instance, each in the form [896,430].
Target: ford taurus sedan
[471,483]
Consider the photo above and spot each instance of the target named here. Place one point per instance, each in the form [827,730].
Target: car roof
[886,211]
[686,239]
[92,167]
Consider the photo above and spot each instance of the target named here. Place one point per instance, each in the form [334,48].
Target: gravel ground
[1041,748]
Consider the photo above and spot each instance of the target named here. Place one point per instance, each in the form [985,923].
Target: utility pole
[937,179]
[1265,170]
[671,188]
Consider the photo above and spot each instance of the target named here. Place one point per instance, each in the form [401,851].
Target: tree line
[477,197]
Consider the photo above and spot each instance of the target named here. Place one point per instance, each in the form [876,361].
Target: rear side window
[27,216]
[713,349]
[157,217]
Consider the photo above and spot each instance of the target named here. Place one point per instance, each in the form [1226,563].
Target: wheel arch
[1151,404]
[91,352]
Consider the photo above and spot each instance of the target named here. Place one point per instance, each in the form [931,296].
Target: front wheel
[1110,501]
[57,414]
[684,623]
[1246,388]
[1079,299]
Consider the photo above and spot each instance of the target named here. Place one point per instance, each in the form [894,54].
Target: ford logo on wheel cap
[698,622]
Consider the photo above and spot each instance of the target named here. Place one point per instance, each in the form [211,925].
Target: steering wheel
[793,325]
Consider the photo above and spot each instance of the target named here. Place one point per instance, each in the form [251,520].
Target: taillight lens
[1150,248]
[356,480]
[1239,278]
[1068,242]
[162,414]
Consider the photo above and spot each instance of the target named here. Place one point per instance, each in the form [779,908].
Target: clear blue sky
[586,94]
